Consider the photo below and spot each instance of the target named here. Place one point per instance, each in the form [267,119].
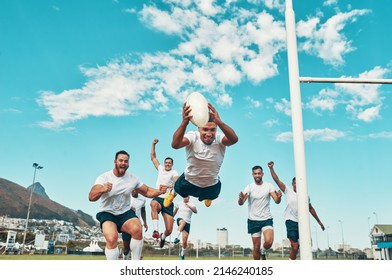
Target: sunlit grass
[146,257]
[82,257]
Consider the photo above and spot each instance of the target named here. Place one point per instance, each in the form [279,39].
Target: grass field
[84,257]
[80,257]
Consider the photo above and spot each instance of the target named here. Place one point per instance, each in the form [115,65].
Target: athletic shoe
[176,240]
[162,242]
[208,202]
[263,254]
[155,234]
[168,199]
[182,257]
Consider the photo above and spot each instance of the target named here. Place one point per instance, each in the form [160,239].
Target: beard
[258,180]
[121,169]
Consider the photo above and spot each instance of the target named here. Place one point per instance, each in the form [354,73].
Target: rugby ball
[199,105]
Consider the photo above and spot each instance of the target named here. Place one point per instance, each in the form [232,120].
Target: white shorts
[258,234]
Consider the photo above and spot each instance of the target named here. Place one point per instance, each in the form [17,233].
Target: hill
[38,189]
[14,202]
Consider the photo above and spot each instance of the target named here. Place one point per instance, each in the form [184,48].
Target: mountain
[38,189]
[14,202]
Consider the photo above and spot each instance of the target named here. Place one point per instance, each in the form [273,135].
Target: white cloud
[11,110]
[271,4]
[270,100]
[114,95]
[130,10]
[208,7]
[364,100]
[324,101]
[330,2]
[226,73]
[253,103]
[183,3]
[361,101]
[325,135]
[322,104]
[369,114]
[271,122]
[224,100]
[218,48]
[203,76]
[382,135]
[284,137]
[284,106]
[364,94]
[327,40]
[170,22]
[307,29]
[322,135]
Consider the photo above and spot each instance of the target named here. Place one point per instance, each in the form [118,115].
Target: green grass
[146,257]
[80,257]
[50,257]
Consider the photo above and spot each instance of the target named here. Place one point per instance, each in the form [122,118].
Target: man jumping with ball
[205,150]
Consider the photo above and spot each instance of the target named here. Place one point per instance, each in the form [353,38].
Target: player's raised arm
[179,140]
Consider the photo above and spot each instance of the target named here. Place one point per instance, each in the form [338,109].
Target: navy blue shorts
[168,210]
[187,226]
[257,226]
[185,188]
[119,220]
[292,230]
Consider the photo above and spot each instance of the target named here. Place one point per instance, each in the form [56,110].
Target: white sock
[136,248]
[155,225]
[178,234]
[182,252]
[112,254]
[163,236]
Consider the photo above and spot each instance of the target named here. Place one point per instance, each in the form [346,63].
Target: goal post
[297,126]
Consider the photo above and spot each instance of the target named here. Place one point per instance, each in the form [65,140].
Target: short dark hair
[122,152]
[257,167]
[170,159]
[293,180]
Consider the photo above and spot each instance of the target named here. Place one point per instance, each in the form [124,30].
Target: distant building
[63,237]
[39,241]
[381,239]
[222,237]
[342,247]
[279,246]
[11,240]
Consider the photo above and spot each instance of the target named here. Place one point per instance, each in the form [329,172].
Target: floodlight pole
[375,214]
[36,166]
[298,137]
[341,227]
[328,238]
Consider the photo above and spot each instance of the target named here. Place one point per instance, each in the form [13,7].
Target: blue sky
[80,80]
